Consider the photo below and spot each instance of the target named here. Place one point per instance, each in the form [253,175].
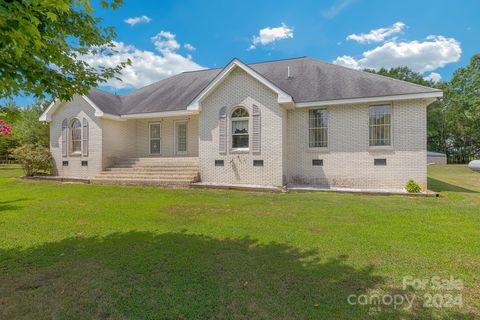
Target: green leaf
[52,16]
[41,40]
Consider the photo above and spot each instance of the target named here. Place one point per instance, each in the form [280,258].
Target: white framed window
[75,137]
[317,128]
[180,137]
[240,134]
[155,137]
[380,125]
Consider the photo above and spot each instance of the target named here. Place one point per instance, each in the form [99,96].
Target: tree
[29,130]
[462,108]
[405,74]
[41,44]
[26,127]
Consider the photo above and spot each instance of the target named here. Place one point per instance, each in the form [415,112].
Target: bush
[412,186]
[34,159]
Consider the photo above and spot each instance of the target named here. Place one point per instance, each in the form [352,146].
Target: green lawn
[108,252]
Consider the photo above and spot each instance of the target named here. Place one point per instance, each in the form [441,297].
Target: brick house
[299,121]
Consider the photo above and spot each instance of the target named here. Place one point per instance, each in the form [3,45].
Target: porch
[152,137]
[156,151]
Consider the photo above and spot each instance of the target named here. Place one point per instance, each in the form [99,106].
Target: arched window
[240,128]
[75,137]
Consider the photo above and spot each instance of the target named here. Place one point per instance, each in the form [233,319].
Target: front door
[180,137]
[155,138]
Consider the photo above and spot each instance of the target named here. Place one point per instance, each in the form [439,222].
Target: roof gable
[283,97]
[56,104]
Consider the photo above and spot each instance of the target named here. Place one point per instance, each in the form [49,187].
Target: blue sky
[433,37]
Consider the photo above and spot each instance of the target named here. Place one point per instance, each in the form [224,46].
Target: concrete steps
[151,171]
[141,182]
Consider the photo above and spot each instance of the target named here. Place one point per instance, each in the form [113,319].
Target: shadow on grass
[7,205]
[439,186]
[144,275]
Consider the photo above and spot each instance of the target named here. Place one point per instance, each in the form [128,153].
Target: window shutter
[256,128]
[64,137]
[222,129]
[85,138]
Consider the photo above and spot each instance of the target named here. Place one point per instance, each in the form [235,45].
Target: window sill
[76,154]
[318,150]
[380,148]
[240,150]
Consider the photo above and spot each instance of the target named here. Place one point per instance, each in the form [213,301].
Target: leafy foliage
[26,129]
[405,74]
[412,186]
[462,110]
[41,43]
[31,131]
[34,159]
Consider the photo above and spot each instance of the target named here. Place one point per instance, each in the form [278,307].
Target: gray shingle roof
[106,101]
[311,80]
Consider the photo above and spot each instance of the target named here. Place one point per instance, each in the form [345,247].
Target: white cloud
[421,56]
[337,7]
[165,41]
[347,61]
[189,47]
[147,67]
[269,35]
[133,21]
[433,76]
[377,35]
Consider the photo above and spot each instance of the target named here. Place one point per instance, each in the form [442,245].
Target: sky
[163,38]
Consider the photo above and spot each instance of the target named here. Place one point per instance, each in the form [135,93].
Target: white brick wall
[81,109]
[348,160]
[119,140]
[241,89]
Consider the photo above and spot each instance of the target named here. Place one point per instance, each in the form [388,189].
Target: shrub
[412,186]
[34,159]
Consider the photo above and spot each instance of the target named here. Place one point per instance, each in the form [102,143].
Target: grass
[109,252]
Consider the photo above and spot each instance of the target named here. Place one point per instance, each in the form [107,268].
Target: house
[299,121]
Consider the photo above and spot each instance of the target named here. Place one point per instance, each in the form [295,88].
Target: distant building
[436,158]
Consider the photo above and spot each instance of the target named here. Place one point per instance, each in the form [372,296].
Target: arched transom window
[75,137]
[240,128]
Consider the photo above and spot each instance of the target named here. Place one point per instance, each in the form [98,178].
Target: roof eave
[46,116]
[423,95]
[162,114]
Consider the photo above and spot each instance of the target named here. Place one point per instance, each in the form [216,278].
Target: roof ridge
[373,75]
[248,64]
[206,69]
[107,92]
[277,60]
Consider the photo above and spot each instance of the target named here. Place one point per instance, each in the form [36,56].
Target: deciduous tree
[41,44]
